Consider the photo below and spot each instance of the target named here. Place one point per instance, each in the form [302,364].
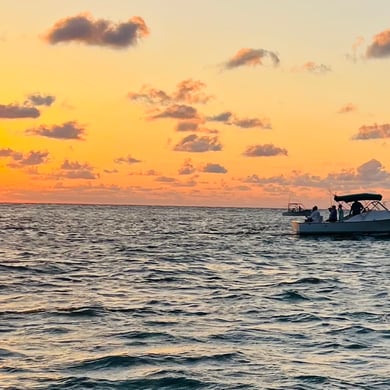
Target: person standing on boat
[356,208]
[315,216]
[341,213]
[332,214]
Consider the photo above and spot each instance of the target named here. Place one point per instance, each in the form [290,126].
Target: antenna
[330,195]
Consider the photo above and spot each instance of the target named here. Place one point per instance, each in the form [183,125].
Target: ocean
[142,297]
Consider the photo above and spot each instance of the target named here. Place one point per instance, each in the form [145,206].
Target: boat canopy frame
[372,201]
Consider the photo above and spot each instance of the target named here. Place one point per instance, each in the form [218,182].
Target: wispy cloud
[251,57]
[12,111]
[312,67]
[150,95]
[373,132]
[99,32]
[356,46]
[165,179]
[191,91]
[76,170]
[177,111]
[41,100]
[67,131]
[193,143]
[187,91]
[349,107]
[127,160]
[30,159]
[266,150]
[228,118]
[248,123]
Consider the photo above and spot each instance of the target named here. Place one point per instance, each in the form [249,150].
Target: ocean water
[124,297]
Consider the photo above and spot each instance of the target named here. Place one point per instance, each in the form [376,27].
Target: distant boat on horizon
[296,209]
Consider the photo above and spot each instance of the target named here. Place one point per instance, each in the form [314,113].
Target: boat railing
[374,205]
[369,206]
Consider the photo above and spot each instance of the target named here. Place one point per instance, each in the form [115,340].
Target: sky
[244,103]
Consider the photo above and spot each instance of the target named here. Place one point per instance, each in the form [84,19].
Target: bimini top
[353,197]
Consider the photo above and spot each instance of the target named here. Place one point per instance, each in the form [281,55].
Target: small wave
[142,335]
[168,382]
[125,361]
[290,296]
[318,379]
[306,280]
[356,329]
[20,268]
[6,353]
[83,311]
[300,317]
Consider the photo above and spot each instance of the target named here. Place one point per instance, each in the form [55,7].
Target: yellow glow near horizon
[306,77]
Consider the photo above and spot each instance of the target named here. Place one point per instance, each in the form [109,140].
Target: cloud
[349,107]
[39,100]
[177,111]
[255,179]
[229,118]
[187,168]
[76,170]
[312,67]
[380,47]
[359,42]
[251,57]
[12,111]
[187,126]
[266,150]
[214,168]
[165,179]
[32,158]
[193,143]
[99,32]
[222,117]
[7,152]
[187,91]
[373,132]
[150,96]
[371,171]
[127,160]
[248,123]
[194,126]
[68,130]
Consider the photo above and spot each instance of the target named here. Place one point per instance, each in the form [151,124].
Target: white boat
[296,209]
[373,219]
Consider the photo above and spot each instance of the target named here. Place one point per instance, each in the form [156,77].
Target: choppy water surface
[117,297]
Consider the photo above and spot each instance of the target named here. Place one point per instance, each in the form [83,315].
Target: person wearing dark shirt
[332,214]
[356,208]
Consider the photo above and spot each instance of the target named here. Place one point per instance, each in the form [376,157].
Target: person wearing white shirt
[315,215]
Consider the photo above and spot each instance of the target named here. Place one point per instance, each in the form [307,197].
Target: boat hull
[340,228]
[304,213]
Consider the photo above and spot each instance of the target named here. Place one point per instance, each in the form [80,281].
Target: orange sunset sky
[183,102]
